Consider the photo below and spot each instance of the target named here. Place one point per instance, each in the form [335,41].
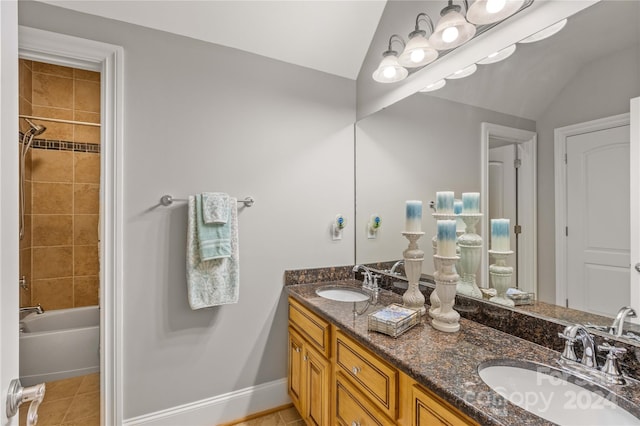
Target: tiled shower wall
[59,253]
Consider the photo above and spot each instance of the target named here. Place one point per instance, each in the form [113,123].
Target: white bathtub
[59,344]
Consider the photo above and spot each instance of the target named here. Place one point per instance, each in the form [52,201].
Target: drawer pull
[297,349]
[354,423]
[355,370]
[306,358]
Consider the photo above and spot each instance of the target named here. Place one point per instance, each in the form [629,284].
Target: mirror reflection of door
[503,191]
[598,220]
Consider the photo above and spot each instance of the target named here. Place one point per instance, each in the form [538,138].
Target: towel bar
[167,200]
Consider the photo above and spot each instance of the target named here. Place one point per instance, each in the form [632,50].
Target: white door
[503,193]
[598,219]
[8,202]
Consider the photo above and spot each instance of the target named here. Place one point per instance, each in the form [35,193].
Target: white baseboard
[219,409]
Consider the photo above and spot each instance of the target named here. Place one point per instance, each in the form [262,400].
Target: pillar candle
[457,206]
[471,202]
[414,216]
[457,209]
[444,202]
[500,235]
[447,238]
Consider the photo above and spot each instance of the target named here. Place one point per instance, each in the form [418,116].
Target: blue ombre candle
[457,209]
[444,202]
[414,216]
[447,238]
[471,202]
[500,235]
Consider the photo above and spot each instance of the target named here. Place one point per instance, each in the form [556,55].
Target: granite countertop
[445,363]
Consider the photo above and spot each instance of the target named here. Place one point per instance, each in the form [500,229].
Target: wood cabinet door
[317,388]
[296,370]
[427,411]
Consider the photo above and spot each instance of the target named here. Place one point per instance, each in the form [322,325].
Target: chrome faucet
[618,324]
[368,278]
[37,309]
[610,372]
[395,266]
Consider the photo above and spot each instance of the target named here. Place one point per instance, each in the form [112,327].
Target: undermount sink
[556,395]
[343,294]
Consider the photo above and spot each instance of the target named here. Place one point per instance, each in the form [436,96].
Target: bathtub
[59,344]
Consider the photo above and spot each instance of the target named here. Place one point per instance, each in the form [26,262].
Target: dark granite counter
[445,363]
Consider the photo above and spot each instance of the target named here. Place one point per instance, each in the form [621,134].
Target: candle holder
[470,244]
[445,318]
[413,258]
[501,276]
[434,301]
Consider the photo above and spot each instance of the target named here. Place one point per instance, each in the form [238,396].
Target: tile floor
[70,402]
[286,417]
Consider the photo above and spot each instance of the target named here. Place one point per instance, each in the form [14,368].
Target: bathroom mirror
[430,142]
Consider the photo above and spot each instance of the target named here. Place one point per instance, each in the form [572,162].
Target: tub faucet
[37,309]
[618,324]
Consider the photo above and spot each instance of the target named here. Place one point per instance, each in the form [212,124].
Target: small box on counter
[393,319]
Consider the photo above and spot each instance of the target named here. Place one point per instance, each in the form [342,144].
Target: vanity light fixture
[434,86]
[452,29]
[464,72]
[418,51]
[389,70]
[483,12]
[547,32]
[499,55]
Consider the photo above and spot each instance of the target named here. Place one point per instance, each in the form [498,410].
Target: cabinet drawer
[311,326]
[352,409]
[429,410]
[372,376]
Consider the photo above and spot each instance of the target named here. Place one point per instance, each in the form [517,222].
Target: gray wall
[410,150]
[202,117]
[600,89]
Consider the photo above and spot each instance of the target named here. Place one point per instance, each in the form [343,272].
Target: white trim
[560,178]
[634,200]
[528,259]
[220,409]
[75,52]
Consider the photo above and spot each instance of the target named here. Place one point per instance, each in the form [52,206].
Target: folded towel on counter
[215,207]
[217,281]
[213,239]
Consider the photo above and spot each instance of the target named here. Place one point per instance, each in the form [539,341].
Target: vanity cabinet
[309,375]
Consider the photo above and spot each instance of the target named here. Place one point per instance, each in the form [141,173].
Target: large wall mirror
[434,141]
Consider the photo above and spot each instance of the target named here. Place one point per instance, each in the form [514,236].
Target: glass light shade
[465,72]
[434,86]
[389,71]
[418,52]
[483,12]
[547,32]
[499,55]
[449,24]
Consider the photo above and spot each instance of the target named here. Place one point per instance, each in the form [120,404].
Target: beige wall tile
[52,69]
[86,198]
[25,83]
[28,199]
[89,117]
[25,297]
[86,291]
[55,131]
[52,230]
[79,74]
[88,134]
[85,229]
[24,108]
[53,293]
[51,166]
[86,96]
[52,262]
[87,167]
[27,164]
[85,260]
[25,263]
[52,198]
[53,91]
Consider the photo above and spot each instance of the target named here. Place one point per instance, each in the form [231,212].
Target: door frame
[59,49]
[527,212]
[561,135]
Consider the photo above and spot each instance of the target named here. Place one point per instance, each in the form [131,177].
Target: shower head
[36,129]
